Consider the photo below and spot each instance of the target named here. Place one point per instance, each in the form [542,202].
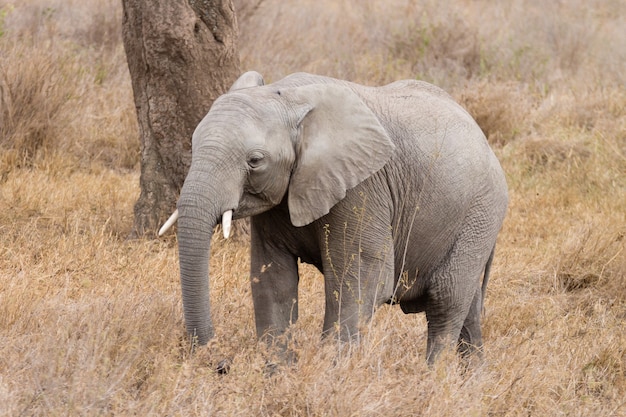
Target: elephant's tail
[486,278]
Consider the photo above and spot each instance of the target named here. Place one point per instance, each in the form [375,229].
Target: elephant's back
[441,166]
[435,137]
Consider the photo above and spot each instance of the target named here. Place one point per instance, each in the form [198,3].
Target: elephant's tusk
[226,219]
[169,223]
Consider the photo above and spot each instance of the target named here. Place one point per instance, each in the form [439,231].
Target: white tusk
[169,223]
[226,219]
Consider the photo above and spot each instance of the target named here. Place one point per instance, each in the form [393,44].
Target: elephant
[392,192]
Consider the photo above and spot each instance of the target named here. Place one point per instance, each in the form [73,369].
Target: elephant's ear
[340,144]
[247,80]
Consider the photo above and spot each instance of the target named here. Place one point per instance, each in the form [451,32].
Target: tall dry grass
[61,59]
[91,324]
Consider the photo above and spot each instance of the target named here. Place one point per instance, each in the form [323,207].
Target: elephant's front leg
[274,282]
[358,275]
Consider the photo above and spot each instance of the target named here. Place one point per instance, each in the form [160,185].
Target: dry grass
[91,324]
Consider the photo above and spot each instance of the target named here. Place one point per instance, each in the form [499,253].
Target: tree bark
[182,55]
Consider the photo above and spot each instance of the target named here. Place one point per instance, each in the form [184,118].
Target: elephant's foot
[279,352]
[223,366]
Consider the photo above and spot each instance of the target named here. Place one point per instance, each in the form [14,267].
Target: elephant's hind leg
[471,339]
[455,295]
[444,327]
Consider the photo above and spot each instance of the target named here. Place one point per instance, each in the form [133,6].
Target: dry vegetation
[91,323]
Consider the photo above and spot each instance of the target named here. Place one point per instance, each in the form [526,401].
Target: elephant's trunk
[199,212]
[194,241]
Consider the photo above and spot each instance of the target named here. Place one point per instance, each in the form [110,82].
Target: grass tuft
[33,93]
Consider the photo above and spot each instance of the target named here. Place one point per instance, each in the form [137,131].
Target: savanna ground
[91,323]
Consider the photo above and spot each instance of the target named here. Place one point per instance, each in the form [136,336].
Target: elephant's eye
[255,160]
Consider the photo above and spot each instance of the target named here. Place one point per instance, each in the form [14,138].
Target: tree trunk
[182,54]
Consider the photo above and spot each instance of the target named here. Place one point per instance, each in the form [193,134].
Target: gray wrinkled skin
[391,192]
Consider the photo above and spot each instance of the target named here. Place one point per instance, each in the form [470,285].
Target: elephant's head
[258,145]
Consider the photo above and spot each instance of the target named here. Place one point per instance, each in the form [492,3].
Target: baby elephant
[391,192]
